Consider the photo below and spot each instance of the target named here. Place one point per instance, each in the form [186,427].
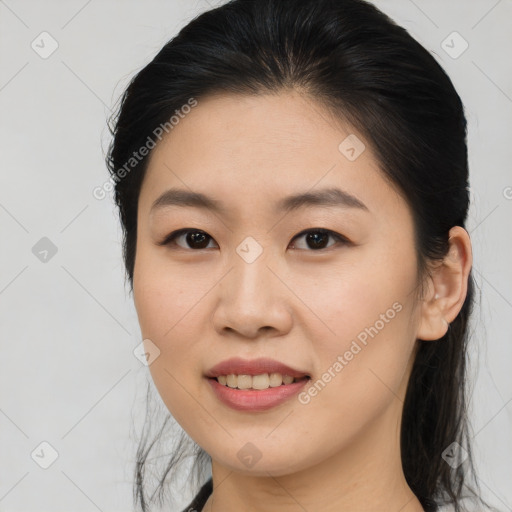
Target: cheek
[165,297]
[361,368]
[170,308]
[347,300]
[360,372]
[171,318]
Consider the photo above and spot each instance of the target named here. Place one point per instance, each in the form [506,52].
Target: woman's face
[251,284]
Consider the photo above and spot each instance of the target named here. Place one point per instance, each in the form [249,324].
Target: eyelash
[170,239]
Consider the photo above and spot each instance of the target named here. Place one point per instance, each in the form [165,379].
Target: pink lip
[252,399]
[255,400]
[239,366]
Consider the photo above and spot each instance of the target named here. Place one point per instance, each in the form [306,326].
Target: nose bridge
[251,274]
[250,298]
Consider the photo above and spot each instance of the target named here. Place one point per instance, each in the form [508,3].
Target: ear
[447,287]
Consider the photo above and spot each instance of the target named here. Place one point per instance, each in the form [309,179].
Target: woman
[292,182]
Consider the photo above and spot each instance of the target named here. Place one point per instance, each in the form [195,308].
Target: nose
[252,301]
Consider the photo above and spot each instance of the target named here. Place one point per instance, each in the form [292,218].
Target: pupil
[197,239]
[314,238]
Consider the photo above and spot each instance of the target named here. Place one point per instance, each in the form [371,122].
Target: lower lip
[255,400]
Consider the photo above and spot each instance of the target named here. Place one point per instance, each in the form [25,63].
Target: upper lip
[239,366]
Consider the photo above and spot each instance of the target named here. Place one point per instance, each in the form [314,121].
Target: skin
[300,305]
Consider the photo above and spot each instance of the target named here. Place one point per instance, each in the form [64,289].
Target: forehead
[253,150]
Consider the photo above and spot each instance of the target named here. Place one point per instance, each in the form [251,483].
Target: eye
[195,238]
[318,237]
[198,239]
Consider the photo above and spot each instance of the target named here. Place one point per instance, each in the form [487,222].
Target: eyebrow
[333,197]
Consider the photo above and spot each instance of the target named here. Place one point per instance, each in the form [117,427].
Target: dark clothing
[197,504]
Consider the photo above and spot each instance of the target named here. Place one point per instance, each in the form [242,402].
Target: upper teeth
[262,381]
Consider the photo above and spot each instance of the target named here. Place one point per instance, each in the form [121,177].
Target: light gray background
[68,375]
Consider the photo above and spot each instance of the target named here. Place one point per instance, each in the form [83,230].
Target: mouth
[255,385]
[254,400]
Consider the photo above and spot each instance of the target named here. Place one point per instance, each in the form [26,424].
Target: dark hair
[365,70]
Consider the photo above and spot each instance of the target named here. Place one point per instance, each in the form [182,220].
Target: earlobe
[447,290]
